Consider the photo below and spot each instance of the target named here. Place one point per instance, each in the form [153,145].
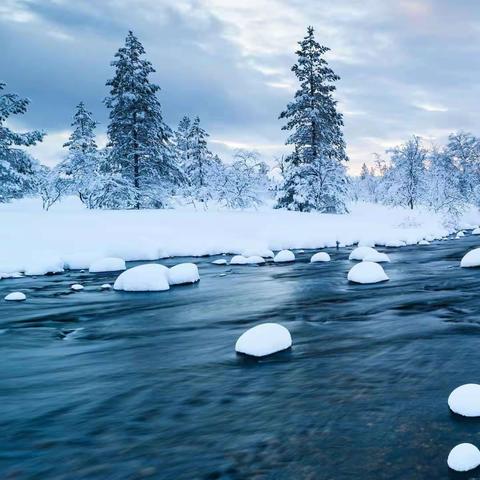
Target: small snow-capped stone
[359,253]
[284,256]
[376,257]
[238,260]
[395,243]
[464,457]
[255,260]
[107,264]
[264,339]
[105,286]
[44,265]
[76,287]
[367,272]
[183,273]
[423,242]
[460,234]
[320,257]
[471,259]
[476,231]
[15,297]
[465,400]
[220,261]
[258,252]
[151,277]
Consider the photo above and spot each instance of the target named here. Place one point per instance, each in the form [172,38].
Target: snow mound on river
[151,277]
[376,257]
[320,257]
[107,264]
[465,400]
[183,273]
[464,457]
[238,260]
[220,261]
[359,253]
[367,272]
[264,339]
[476,231]
[284,256]
[471,259]
[15,297]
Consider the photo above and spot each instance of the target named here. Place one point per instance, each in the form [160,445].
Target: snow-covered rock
[264,339]
[359,253]
[220,261]
[238,260]
[105,286]
[367,272]
[108,264]
[284,256]
[258,252]
[15,297]
[476,231]
[183,273]
[471,259]
[44,265]
[77,287]
[460,234]
[255,260]
[320,257]
[423,242]
[151,277]
[376,257]
[464,457]
[465,400]
[395,243]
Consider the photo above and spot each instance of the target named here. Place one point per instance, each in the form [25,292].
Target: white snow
[77,287]
[423,242]
[80,236]
[284,256]
[465,400]
[320,257]
[258,252]
[476,231]
[255,260]
[15,297]
[183,273]
[238,260]
[471,259]
[460,235]
[107,264]
[220,261]
[367,272]
[360,252]
[376,257]
[464,457]
[105,286]
[264,339]
[44,265]
[151,277]
[395,243]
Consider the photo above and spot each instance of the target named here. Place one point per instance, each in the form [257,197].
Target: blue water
[114,385]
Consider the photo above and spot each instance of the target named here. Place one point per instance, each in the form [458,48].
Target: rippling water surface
[114,385]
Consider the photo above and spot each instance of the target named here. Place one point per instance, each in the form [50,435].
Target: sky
[407,67]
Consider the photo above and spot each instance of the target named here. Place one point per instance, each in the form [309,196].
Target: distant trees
[17,168]
[314,176]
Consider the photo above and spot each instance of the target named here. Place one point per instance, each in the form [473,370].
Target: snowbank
[320,257]
[42,266]
[183,273]
[284,256]
[367,272]
[465,400]
[108,264]
[258,252]
[464,457]
[15,297]
[144,278]
[80,236]
[264,339]
[471,259]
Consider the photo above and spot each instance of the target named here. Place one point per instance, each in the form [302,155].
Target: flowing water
[113,385]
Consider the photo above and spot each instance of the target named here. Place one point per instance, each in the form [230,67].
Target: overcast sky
[407,66]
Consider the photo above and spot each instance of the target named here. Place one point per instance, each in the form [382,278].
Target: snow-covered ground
[77,236]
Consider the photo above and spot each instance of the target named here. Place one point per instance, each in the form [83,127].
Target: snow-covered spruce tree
[182,141]
[17,168]
[444,184]
[140,143]
[365,186]
[81,163]
[314,176]
[464,150]
[406,177]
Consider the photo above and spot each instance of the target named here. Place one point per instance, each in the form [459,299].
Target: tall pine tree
[81,163]
[181,141]
[314,176]
[140,143]
[17,168]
